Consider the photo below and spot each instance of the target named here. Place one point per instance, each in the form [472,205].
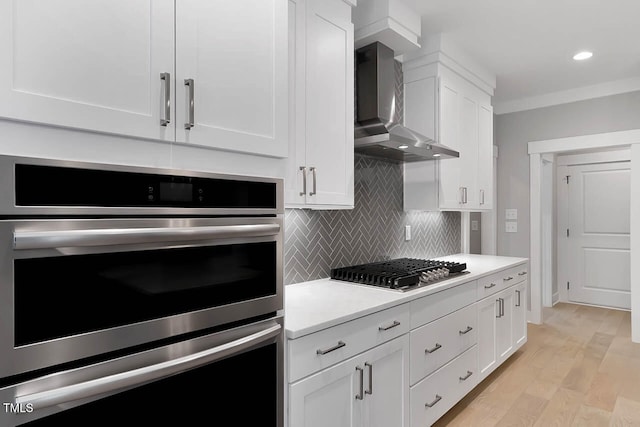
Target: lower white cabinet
[519,333]
[369,389]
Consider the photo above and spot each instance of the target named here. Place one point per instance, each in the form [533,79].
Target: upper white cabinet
[234,53]
[320,163]
[454,112]
[121,67]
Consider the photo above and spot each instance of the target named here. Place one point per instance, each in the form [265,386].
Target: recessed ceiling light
[403,147]
[582,55]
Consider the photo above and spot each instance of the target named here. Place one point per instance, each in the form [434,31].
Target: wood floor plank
[588,416]
[603,392]
[625,413]
[561,409]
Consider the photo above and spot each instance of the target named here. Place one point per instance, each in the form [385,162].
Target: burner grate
[399,273]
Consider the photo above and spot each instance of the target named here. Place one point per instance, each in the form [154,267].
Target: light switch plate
[511,213]
[511,227]
[474,225]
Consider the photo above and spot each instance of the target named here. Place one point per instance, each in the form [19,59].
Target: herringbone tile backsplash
[316,241]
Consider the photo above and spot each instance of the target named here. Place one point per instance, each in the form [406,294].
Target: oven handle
[111,383]
[128,236]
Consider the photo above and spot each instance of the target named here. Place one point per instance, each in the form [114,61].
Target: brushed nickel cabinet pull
[469,373]
[522,273]
[334,348]
[315,181]
[386,328]
[499,311]
[360,396]
[190,103]
[370,366]
[518,303]
[437,347]
[506,279]
[166,102]
[482,197]
[466,331]
[304,180]
[490,286]
[430,405]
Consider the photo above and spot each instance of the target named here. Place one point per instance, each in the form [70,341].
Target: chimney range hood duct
[376,132]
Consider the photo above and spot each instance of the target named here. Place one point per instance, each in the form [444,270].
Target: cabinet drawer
[322,349]
[438,342]
[434,306]
[437,393]
[503,279]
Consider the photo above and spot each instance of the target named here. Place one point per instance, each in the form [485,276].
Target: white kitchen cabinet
[366,390]
[120,67]
[90,65]
[502,326]
[455,113]
[236,54]
[320,164]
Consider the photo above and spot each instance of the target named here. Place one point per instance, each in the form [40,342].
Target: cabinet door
[386,385]
[519,321]
[469,151]
[488,310]
[450,185]
[504,337]
[329,103]
[236,54]
[91,65]
[485,157]
[328,398]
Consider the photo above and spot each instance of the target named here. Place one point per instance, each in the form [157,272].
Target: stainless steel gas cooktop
[401,274]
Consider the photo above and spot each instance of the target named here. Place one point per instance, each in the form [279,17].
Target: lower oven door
[71,289]
[231,376]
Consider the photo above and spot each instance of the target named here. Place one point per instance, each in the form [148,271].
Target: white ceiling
[529,44]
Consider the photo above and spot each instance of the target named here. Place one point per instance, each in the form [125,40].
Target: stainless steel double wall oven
[141,291]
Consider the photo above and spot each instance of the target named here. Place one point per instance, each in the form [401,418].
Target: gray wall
[514,131]
[316,241]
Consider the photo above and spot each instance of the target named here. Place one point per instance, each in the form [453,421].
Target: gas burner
[400,274]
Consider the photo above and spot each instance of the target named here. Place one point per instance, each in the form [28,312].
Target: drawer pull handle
[386,328]
[518,304]
[466,331]
[430,405]
[506,279]
[522,273]
[334,348]
[469,373]
[360,396]
[437,347]
[490,286]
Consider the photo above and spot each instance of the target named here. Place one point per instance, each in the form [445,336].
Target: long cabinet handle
[499,315]
[190,103]
[166,102]
[469,373]
[329,350]
[138,376]
[370,366]
[466,331]
[131,236]
[461,191]
[315,180]
[465,195]
[386,328]
[437,399]
[482,197]
[360,396]
[501,307]
[490,286]
[304,180]
[437,347]
[518,303]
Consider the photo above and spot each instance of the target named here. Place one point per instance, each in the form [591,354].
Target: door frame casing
[575,144]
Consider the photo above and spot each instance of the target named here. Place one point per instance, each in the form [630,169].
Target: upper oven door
[76,288]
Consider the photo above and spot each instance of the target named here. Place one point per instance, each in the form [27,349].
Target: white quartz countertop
[319,304]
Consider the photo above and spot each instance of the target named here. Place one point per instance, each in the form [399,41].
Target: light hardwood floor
[579,368]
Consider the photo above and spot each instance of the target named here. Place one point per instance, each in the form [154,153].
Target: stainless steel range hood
[377,133]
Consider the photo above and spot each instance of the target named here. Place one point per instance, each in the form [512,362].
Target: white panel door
[329,103]
[519,320]
[485,157]
[488,310]
[236,54]
[87,64]
[598,240]
[328,398]
[469,151]
[504,330]
[387,384]
[450,169]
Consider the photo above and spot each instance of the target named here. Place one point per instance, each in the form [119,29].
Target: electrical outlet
[474,225]
[407,233]
[511,227]
[511,213]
